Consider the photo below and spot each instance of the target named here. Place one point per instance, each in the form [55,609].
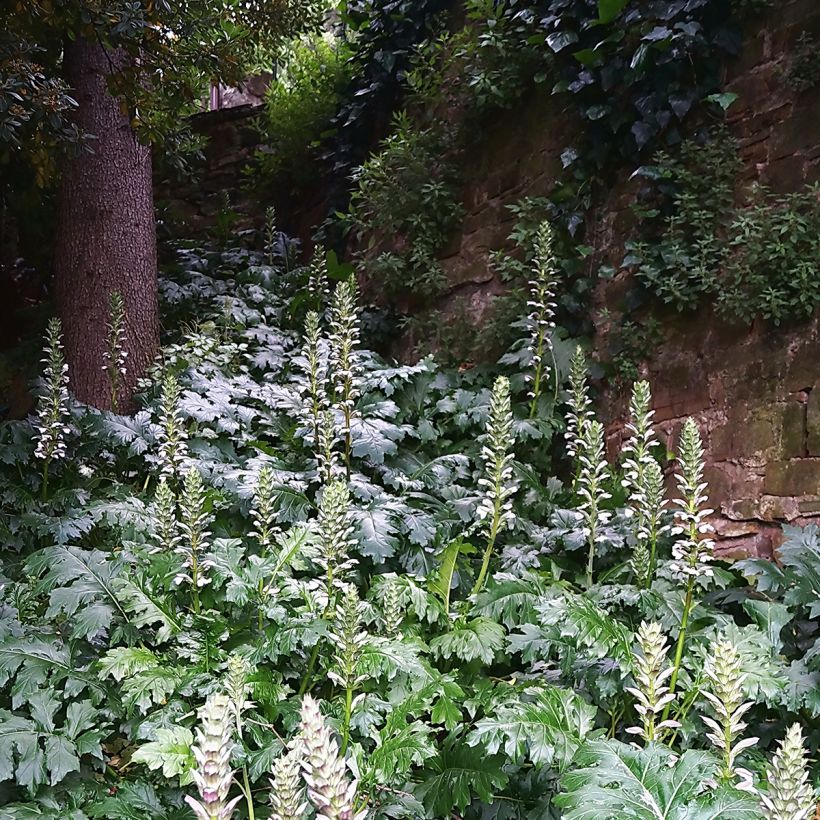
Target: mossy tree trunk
[106,234]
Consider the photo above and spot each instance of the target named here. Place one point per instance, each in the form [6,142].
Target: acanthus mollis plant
[592,479]
[724,691]
[643,481]
[52,407]
[238,688]
[580,409]
[287,790]
[790,795]
[327,454]
[693,550]
[336,542]
[318,282]
[213,774]
[651,671]
[271,234]
[349,640]
[263,510]
[194,542]
[497,484]
[336,539]
[392,607]
[115,355]
[316,372]
[344,357]
[542,313]
[172,436]
[330,790]
[165,526]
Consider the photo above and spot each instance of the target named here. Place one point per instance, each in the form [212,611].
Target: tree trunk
[106,235]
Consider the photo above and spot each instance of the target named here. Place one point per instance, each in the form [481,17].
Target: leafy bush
[299,559]
[405,197]
[755,259]
[299,106]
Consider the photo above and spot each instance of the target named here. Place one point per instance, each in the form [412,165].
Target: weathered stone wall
[754,390]
[191,207]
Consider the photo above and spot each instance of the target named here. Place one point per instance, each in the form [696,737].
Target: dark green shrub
[300,104]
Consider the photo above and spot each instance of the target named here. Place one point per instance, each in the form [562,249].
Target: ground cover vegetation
[302,580]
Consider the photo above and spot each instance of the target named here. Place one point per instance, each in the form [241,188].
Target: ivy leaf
[478,639]
[169,751]
[458,774]
[608,10]
[559,40]
[546,731]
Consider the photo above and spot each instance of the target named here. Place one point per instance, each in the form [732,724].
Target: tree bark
[106,235]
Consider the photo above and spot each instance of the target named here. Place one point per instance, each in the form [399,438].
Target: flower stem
[45,480]
[485,564]
[687,608]
[348,711]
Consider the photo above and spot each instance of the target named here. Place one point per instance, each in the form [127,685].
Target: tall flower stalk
[315,371]
[693,550]
[790,795]
[194,523]
[336,542]
[318,283]
[349,640]
[330,790]
[166,533]
[542,312]
[344,357]
[52,408]
[651,670]
[116,356]
[392,609]
[327,456]
[263,510]
[495,508]
[336,539]
[643,481]
[724,691]
[594,473]
[265,530]
[213,774]
[271,233]
[172,436]
[579,413]
[238,687]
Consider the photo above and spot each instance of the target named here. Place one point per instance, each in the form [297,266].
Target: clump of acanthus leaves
[204,605]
